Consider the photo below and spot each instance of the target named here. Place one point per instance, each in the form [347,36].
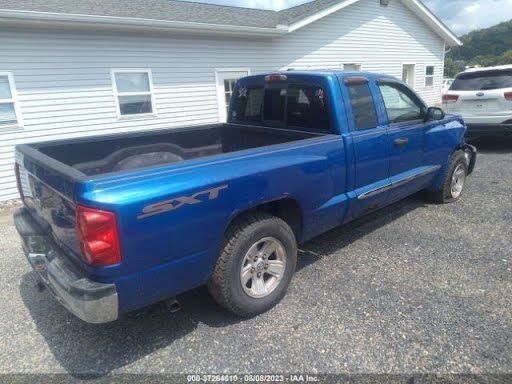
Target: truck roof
[322,73]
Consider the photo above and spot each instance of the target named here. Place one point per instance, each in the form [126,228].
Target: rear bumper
[89,300]
[489,129]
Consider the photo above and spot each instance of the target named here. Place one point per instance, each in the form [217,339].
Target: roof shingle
[173,10]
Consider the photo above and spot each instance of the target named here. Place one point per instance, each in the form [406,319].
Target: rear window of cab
[302,106]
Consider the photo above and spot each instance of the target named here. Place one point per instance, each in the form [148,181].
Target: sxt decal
[178,202]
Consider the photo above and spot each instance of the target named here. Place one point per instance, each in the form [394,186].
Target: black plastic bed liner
[121,152]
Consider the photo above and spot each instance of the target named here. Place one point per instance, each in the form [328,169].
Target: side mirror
[434,113]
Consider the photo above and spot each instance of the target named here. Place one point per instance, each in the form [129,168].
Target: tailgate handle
[401,141]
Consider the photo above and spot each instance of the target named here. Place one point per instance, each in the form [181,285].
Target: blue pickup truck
[114,223]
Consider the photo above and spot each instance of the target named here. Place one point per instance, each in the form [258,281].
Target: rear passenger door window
[364,113]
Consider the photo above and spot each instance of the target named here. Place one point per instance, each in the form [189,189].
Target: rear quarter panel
[171,252]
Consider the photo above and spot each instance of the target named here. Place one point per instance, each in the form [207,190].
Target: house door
[408,74]
[226,81]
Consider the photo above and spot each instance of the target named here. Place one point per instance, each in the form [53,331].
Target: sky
[461,16]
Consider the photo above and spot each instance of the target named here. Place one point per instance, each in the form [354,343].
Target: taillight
[97,232]
[450,98]
[508,96]
[18,180]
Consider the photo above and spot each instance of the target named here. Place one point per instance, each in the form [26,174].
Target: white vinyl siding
[65,88]
[380,38]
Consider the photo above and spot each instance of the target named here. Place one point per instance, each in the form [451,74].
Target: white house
[71,68]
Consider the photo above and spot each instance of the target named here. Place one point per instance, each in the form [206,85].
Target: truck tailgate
[48,194]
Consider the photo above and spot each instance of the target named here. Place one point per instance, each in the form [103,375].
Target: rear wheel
[263,267]
[454,182]
[256,265]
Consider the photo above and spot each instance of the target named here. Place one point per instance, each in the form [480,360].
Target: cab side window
[361,101]
[402,105]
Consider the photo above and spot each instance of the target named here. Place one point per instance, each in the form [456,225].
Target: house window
[226,81]
[229,84]
[10,115]
[133,90]
[353,67]
[429,76]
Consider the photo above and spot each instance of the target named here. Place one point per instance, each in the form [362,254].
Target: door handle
[401,141]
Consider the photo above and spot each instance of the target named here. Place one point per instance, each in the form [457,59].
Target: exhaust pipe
[40,286]
[173,305]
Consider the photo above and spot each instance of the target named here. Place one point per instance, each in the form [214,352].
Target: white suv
[483,97]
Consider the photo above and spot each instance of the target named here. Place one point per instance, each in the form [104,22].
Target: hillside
[489,46]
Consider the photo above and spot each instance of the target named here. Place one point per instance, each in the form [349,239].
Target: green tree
[484,47]
[484,60]
[505,58]
[491,41]
[451,68]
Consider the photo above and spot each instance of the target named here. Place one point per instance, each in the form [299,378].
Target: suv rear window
[293,106]
[482,80]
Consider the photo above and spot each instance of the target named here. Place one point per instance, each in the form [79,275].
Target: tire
[450,193]
[247,238]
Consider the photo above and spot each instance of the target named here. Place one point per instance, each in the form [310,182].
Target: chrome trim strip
[398,183]
[374,192]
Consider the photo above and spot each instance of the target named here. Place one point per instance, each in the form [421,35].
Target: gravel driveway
[414,288]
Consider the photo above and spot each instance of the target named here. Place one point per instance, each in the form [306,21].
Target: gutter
[133,22]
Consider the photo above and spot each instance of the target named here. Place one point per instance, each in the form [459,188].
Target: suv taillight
[450,98]
[18,180]
[508,96]
[97,232]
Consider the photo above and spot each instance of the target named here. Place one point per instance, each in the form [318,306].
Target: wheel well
[287,209]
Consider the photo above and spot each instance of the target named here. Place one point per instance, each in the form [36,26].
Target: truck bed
[55,176]
[125,152]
